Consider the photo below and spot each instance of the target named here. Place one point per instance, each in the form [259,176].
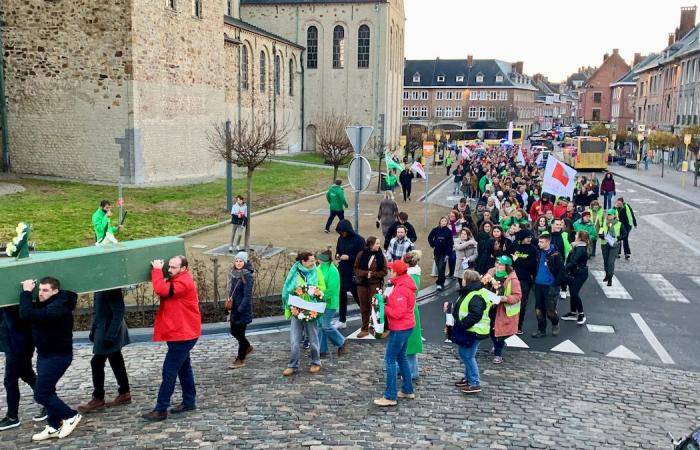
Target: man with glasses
[179,324]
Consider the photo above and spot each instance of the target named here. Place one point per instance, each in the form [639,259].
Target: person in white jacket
[239,220]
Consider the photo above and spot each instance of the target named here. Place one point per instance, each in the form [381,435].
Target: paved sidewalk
[671,184]
[533,400]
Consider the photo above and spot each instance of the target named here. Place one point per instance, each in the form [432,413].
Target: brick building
[623,96]
[595,95]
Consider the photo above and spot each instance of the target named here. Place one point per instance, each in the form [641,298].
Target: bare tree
[249,145]
[332,141]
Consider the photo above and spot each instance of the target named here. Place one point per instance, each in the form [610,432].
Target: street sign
[358,136]
[428,148]
[359,173]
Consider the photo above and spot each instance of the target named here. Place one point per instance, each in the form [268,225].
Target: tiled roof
[432,70]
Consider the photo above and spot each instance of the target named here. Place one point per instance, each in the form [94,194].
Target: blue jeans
[50,369]
[396,353]
[412,365]
[176,365]
[329,332]
[607,200]
[471,369]
[297,327]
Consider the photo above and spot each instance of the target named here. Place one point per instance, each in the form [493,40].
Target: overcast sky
[551,37]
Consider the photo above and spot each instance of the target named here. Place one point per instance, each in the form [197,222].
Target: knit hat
[505,260]
[522,234]
[243,256]
[399,267]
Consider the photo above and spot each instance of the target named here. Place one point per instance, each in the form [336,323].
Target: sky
[553,38]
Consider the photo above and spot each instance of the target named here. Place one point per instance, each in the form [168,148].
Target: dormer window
[479,77]
[441,78]
[499,78]
[416,77]
[459,79]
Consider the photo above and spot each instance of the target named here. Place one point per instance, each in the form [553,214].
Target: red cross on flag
[559,179]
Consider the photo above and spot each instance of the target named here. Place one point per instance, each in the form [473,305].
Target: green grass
[317,158]
[60,212]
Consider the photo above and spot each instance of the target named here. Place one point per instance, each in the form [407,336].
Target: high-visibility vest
[483,326]
[628,213]
[514,309]
[616,230]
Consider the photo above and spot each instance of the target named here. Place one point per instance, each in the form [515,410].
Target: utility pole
[3,112]
[229,168]
[380,151]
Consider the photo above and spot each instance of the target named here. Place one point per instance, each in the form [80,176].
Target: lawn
[60,211]
[317,158]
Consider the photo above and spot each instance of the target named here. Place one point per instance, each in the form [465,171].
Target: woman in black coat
[483,239]
[241,282]
[576,269]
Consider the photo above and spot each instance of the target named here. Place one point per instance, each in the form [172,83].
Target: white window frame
[499,78]
[416,78]
[473,95]
[493,95]
[458,111]
[414,95]
[459,79]
[439,95]
[438,111]
[459,95]
[448,95]
[424,111]
[424,95]
[406,95]
[503,95]
[448,111]
[483,95]
[472,112]
[479,77]
[482,112]
[406,110]
[441,78]
[414,111]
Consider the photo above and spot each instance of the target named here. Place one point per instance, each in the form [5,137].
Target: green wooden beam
[88,269]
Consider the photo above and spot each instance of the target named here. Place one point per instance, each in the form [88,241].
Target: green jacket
[332,278]
[336,198]
[391,180]
[415,340]
[587,227]
[101,225]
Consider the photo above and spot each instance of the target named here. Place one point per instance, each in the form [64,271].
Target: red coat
[559,211]
[178,317]
[507,326]
[538,209]
[400,303]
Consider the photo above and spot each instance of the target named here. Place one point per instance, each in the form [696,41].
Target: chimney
[470,60]
[687,20]
[606,56]
[517,67]
[637,59]
[616,51]
[671,38]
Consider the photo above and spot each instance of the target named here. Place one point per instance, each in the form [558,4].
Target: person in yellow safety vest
[597,217]
[471,325]
[611,232]
[504,316]
[626,216]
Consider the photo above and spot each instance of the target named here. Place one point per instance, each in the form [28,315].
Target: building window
[439,95]
[171,4]
[493,95]
[472,112]
[229,7]
[263,71]
[414,111]
[416,77]
[312,48]
[278,83]
[424,95]
[502,112]
[458,95]
[424,111]
[479,77]
[438,111]
[482,112]
[597,97]
[448,112]
[363,47]
[405,111]
[459,78]
[338,47]
[499,78]
[474,95]
[458,111]
[197,8]
[492,113]
[291,77]
[406,95]
[448,95]
[441,78]
[244,67]
[414,95]
[596,115]
[503,95]
[483,95]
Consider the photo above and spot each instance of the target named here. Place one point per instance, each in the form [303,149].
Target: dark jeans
[525,288]
[17,366]
[238,332]
[116,362]
[50,369]
[575,285]
[346,285]
[625,243]
[498,344]
[609,257]
[176,365]
[406,191]
[334,214]
[546,305]
[451,263]
[440,264]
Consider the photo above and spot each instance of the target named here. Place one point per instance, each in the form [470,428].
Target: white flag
[538,161]
[418,168]
[559,179]
[520,157]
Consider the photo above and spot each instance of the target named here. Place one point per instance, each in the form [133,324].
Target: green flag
[391,164]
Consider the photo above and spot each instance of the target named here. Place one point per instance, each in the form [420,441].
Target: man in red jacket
[178,323]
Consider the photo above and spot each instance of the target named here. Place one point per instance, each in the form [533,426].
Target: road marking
[624,353]
[600,328]
[303,210]
[661,195]
[651,339]
[646,201]
[515,342]
[617,290]
[696,280]
[198,246]
[631,190]
[664,288]
[567,347]
[683,239]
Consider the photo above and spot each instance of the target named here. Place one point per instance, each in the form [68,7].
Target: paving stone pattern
[533,400]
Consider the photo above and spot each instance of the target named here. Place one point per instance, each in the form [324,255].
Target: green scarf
[298,276]
[501,275]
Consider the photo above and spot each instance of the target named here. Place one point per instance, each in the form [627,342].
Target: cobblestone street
[533,400]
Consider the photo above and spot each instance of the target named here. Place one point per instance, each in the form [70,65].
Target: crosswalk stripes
[567,347]
[696,279]
[617,290]
[664,288]
[623,352]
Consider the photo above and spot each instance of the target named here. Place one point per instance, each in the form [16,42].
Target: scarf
[298,276]
[453,227]
[500,276]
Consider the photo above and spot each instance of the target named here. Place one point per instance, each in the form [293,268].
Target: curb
[433,189]
[258,326]
[655,189]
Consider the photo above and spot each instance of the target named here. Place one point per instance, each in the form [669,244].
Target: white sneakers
[51,433]
[339,325]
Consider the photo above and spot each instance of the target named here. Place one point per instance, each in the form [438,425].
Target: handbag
[361,281]
[228,304]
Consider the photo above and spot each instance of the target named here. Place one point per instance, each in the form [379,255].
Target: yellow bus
[467,136]
[489,137]
[587,153]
